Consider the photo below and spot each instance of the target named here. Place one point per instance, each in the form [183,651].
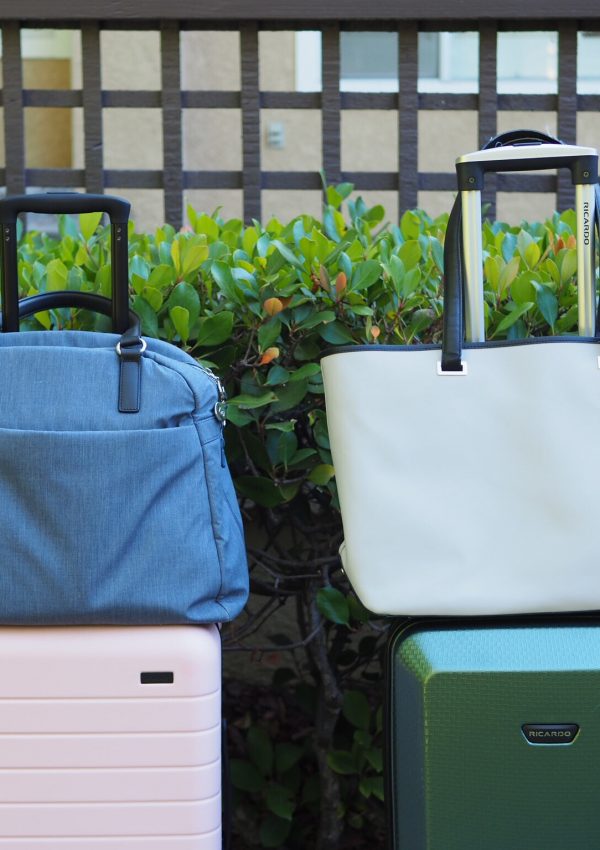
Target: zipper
[220,408]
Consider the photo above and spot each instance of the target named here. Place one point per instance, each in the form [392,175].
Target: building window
[449,62]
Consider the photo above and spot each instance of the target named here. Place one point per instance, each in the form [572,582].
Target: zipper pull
[221,406]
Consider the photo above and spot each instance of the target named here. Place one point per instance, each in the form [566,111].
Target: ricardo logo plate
[550,733]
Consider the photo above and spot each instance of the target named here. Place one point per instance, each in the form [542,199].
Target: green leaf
[322,474]
[509,246]
[268,333]
[277,375]
[516,311]
[289,396]
[192,257]
[410,282]
[358,611]
[88,224]
[245,776]
[279,801]
[260,490]
[153,297]
[274,831]
[532,255]
[437,252]
[374,215]
[410,253]
[371,785]
[356,709]
[508,273]
[306,371]
[216,329]
[568,264]
[139,266]
[317,318]
[147,316]
[224,279]
[333,605]
[206,225]
[238,416]
[184,295]
[286,756]
[375,758]
[162,276]
[341,761]
[260,750]
[56,276]
[281,426]
[547,304]
[250,402]
[524,240]
[522,288]
[181,320]
[365,274]
[410,225]
[336,333]
[103,281]
[75,279]
[288,254]
[491,268]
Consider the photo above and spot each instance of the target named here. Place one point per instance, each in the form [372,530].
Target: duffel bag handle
[463,254]
[129,348]
[65,202]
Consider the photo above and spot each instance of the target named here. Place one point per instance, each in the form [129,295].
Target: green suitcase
[494,734]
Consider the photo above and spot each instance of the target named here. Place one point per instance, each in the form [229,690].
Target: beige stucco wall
[212,138]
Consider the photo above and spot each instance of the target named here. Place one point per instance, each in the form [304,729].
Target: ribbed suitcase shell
[91,758]
[461,774]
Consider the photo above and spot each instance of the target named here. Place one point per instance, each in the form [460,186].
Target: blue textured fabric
[109,517]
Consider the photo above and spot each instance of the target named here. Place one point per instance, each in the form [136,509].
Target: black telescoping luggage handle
[583,168]
[79,301]
[65,202]
[454,319]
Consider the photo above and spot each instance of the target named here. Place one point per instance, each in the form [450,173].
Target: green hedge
[259,304]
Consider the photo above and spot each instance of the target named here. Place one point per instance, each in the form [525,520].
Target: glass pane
[588,62]
[527,62]
[448,61]
[369,55]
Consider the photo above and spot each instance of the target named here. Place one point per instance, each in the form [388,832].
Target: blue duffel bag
[116,503]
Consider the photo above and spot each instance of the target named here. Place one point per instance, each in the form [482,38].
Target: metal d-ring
[144,347]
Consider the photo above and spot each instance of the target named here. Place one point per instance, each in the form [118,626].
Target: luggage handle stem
[463,250]
[129,348]
[65,202]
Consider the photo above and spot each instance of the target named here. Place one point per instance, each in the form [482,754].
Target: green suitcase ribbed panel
[463,776]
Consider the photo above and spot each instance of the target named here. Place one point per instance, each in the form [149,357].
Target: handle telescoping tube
[583,163]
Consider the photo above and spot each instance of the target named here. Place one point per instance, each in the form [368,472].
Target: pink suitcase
[110,738]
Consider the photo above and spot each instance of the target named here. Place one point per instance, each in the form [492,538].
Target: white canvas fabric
[469,494]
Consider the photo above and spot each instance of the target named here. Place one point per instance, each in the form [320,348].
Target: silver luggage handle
[471,168]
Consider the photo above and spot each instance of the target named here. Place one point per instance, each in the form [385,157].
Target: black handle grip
[583,167]
[78,300]
[521,137]
[65,202]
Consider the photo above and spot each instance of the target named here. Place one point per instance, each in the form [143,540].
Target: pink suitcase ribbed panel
[92,758]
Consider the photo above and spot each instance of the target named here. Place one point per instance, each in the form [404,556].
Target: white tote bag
[468,475]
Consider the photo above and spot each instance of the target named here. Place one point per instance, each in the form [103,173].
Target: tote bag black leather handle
[65,202]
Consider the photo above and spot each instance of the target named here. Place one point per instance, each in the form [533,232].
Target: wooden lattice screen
[404,18]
